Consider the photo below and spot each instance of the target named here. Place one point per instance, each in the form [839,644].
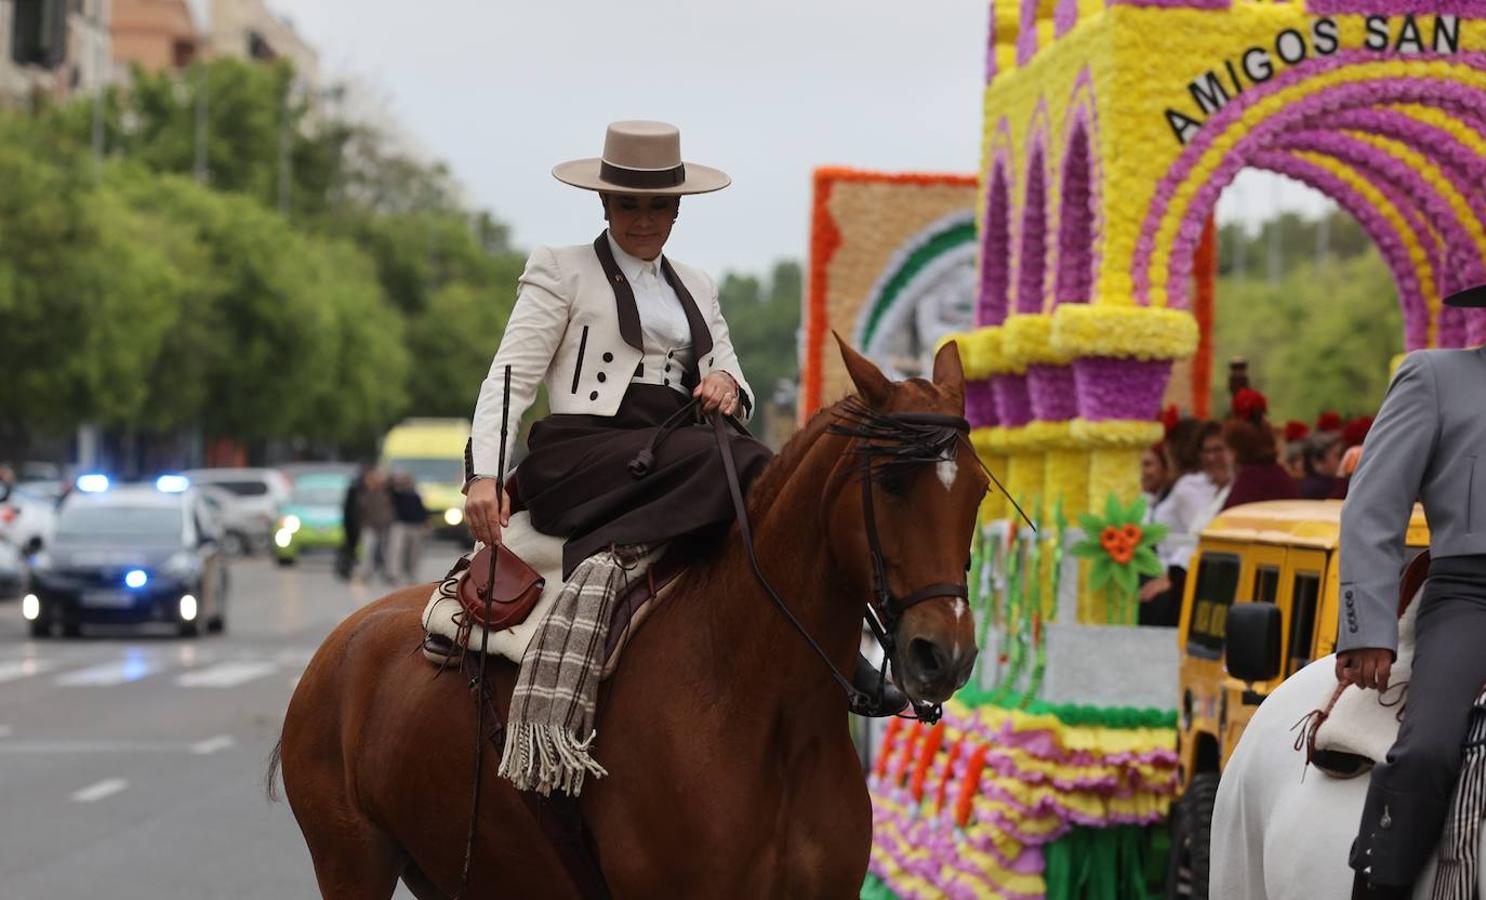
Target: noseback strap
[903,604]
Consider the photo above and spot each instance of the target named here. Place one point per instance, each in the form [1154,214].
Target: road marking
[212,745]
[95,792]
[23,748]
[130,668]
[16,669]
[226,674]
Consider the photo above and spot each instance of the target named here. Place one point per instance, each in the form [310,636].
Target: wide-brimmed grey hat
[641,158]
[1471,297]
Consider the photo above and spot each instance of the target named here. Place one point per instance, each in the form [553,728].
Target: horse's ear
[948,371]
[874,386]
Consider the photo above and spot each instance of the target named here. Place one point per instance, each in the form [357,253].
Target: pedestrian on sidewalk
[409,528]
[376,525]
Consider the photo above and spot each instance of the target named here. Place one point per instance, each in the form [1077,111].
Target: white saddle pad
[1365,722]
[540,551]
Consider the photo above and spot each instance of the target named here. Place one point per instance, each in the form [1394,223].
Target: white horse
[1280,831]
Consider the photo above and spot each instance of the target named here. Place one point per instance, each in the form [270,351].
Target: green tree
[88,289]
[453,339]
[764,321]
[1320,339]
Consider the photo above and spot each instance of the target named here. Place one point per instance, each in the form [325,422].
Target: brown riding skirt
[576,481]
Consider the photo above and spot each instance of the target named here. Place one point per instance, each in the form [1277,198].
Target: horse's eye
[968,561]
[893,480]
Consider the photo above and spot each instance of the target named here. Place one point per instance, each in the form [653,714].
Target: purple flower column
[1052,392]
[1013,405]
[1110,388]
[980,403]
[995,250]
[1032,259]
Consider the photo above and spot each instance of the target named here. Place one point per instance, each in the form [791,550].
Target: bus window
[1305,598]
[1217,583]
[1266,584]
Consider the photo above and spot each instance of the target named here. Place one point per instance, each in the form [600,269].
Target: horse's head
[901,523]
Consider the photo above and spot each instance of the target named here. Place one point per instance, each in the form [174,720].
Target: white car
[12,571]
[27,520]
[251,501]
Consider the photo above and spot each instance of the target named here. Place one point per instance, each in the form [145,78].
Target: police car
[135,553]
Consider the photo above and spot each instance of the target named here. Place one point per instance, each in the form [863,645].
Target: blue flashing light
[172,484]
[136,578]
[93,483]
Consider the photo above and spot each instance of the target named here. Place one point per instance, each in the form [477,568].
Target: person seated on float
[623,337]
[1248,434]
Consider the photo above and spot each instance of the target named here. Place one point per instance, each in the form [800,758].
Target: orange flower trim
[926,753]
[970,785]
[948,774]
[907,758]
[825,240]
[889,743]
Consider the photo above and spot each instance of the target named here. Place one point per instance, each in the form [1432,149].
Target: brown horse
[731,768]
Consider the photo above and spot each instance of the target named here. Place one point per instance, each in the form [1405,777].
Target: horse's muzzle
[931,669]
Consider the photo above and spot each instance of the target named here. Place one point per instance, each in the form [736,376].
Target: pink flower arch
[1320,123]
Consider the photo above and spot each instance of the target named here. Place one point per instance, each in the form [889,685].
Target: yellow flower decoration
[1027,340]
[1115,434]
[1136,332]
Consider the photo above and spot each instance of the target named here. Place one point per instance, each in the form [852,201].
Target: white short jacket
[573,331]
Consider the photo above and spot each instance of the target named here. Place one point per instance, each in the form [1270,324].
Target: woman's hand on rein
[718,391]
[488,510]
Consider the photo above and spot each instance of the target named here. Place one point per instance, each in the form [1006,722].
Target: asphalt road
[132,764]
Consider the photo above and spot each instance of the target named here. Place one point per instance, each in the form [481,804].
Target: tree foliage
[764,321]
[1321,338]
[135,297]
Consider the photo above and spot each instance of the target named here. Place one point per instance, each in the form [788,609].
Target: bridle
[882,441]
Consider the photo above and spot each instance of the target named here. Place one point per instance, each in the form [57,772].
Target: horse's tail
[271,781]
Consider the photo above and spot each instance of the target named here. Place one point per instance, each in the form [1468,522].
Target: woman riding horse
[624,338]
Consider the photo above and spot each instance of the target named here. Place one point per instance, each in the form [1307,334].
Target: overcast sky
[764,89]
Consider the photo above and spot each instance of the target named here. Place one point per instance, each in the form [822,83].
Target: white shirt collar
[631,266]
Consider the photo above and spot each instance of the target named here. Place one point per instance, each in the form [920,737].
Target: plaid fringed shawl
[551,729]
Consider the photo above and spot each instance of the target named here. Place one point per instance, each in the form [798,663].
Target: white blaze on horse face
[959,609]
[947,469]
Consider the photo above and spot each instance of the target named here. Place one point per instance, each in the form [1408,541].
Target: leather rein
[909,439]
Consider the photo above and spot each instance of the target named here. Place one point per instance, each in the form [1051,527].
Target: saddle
[536,567]
[1356,727]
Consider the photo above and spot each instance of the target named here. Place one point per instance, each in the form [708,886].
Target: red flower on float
[1296,430]
[1249,404]
[1356,431]
[1169,417]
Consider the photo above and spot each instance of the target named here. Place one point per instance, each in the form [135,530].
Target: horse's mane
[771,480]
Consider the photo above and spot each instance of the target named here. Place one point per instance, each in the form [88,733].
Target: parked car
[130,554]
[313,517]
[12,571]
[256,494]
[240,522]
[27,519]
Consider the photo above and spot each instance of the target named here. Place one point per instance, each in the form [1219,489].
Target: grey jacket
[1427,444]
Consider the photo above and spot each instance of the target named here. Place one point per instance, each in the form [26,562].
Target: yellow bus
[432,451]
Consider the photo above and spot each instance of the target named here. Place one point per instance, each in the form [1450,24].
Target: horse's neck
[749,646]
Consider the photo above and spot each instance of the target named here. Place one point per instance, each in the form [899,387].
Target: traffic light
[39,35]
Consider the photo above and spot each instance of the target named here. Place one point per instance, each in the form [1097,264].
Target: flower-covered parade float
[1110,129]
